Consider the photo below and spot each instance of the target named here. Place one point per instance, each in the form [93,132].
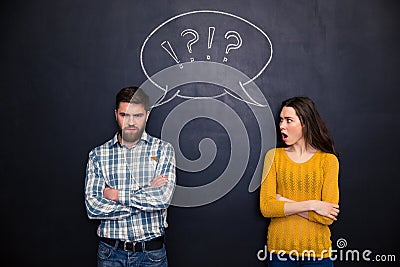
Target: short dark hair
[132,94]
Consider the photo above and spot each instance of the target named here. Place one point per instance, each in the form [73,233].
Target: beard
[129,136]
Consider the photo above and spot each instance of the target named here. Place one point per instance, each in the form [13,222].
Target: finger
[332,216]
[158,182]
[158,179]
[155,185]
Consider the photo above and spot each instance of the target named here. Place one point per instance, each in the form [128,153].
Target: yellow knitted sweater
[316,178]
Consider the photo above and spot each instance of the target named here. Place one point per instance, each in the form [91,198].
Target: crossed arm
[104,202]
[324,210]
[112,194]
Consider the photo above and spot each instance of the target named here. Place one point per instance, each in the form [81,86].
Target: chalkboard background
[63,62]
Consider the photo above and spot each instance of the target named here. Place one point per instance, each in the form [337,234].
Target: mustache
[130,127]
[125,128]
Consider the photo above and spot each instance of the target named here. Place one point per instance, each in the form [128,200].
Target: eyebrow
[130,114]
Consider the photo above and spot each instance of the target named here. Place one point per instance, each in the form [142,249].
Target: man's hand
[159,181]
[110,194]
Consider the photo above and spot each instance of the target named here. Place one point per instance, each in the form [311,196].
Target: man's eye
[139,115]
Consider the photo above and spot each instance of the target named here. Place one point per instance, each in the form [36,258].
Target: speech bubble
[180,52]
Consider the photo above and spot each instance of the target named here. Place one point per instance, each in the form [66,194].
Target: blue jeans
[275,260]
[109,256]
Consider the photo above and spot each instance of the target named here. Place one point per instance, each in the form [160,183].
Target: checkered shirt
[141,212]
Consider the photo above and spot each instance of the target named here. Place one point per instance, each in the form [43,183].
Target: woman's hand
[324,208]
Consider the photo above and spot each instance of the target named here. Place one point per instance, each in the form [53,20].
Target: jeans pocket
[103,252]
[156,256]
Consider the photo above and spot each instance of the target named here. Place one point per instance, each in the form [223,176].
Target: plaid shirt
[141,212]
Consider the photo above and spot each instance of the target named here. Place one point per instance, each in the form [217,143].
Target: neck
[301,149]
[300,153]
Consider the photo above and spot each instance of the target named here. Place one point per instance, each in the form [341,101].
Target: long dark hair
[315,131]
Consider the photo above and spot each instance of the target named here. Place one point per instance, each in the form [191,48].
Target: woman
[300,188]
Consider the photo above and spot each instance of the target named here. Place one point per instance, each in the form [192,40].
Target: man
[129,184]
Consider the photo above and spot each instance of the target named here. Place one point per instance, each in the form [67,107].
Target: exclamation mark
[211,31]
[167,47]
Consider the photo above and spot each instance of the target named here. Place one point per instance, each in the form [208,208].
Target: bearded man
[129,185]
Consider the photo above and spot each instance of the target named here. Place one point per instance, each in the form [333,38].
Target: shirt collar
[114,141]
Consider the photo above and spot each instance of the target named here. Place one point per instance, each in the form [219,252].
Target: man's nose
[130,120]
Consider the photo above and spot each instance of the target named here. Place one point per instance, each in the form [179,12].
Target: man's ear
[115,113]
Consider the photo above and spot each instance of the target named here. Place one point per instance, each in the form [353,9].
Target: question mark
[230,47]
[191,41]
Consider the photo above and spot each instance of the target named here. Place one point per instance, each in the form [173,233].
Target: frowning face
[131,119]
[290,127]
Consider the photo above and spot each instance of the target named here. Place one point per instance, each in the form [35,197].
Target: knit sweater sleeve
[270,207]
[330,188]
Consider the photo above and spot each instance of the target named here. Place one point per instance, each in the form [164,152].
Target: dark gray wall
[63,61]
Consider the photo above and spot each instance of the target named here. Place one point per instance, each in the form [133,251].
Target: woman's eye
[289,120]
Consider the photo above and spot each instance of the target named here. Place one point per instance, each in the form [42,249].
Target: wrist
[311,206]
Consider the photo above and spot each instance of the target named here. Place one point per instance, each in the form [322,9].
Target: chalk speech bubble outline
[242,84]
